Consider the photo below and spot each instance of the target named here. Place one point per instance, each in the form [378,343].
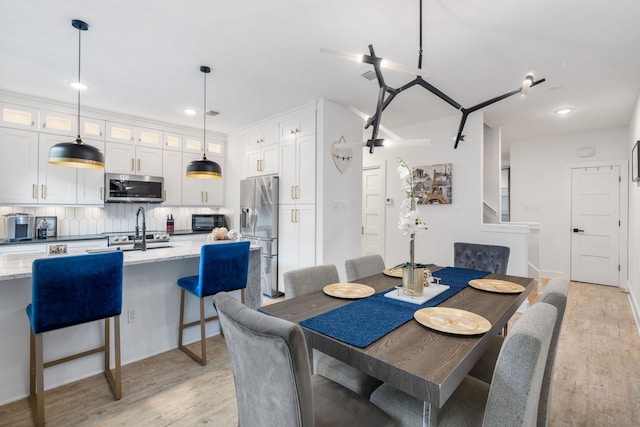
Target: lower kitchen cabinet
[296,238]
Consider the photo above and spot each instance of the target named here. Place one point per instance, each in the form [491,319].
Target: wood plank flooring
[597,379]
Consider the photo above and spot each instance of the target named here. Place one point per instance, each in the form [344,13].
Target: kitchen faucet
[140,245]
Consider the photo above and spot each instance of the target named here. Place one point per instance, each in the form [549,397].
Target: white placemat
[429,292]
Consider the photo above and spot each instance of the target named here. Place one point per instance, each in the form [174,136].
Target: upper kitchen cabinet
[56,184]
[118,132]
[18,166]
[18,116]
[173,174]
[297,124]
[58,123]
[262,135]
[298,170]
[194,144]
[262,149]
[90,187]
[136,160]
[92,128]
[201,192]
[149,137]
[172,141]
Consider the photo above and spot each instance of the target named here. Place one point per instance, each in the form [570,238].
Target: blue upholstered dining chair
[272,374]
[67,291]
[510,400]
[223,267]
[481,257]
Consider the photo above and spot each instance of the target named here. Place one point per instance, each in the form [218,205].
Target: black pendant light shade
[77,154]
[204,168]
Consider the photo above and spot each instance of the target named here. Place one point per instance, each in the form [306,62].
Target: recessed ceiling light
[563,111]
[190,111]
[78,85]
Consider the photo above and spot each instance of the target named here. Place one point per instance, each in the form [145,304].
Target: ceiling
[142,58]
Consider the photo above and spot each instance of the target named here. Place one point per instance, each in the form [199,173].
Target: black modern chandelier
[77,154]
[204,168]
[386,93]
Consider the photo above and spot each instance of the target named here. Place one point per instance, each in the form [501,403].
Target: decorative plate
[499,286]
[452,320]
[348,290]
[393,272]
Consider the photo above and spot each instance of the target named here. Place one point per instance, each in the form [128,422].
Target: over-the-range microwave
[122,188]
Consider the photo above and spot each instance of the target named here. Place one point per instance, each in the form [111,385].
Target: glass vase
[413,281]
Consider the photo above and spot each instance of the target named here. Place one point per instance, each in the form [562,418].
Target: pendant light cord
[79,62]
[420,41]
[204,120]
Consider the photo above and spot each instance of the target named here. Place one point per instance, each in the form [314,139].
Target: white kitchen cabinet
[18,166]
[172,141]
[92,128]
[148,137]
[262,135]
[119,132]
[56,184]
[59,123]
[129,159]
[18,116]
[23,248]
[262,161]
[173,174]
[298,170]
[296,239]
[194,144]
[198,191]
[297,124]
[90,182]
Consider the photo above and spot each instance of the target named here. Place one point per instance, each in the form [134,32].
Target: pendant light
[77,154]
[204,168]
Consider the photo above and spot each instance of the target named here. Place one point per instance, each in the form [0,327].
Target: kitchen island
[149,320]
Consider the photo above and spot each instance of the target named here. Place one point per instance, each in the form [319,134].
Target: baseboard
[635,309]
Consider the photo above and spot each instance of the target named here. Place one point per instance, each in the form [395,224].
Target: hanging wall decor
[342,154]
[433,184]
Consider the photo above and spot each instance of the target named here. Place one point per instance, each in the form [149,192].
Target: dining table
[423,362]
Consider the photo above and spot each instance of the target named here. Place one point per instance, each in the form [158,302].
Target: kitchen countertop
[15,266]
[59,239]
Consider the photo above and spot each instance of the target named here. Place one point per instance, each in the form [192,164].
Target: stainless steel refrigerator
[259,223]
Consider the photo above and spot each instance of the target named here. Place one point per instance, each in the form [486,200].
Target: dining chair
[363,266]
[510,400]
[312,279]
[68,291]
[555,293]
[481,257]
[223,267]
[272,375]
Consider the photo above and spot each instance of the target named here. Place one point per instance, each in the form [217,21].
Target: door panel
[373,210]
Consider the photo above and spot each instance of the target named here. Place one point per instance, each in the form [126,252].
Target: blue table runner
[364,321]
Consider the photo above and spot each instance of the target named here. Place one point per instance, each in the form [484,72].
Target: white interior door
[373,210]
[595,223]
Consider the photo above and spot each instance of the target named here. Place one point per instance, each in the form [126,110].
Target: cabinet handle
[43,193]
[293,191]
[292,215]
[206,198]
[33,191]
[261,165]
[44,125]
[33,123]
[138,165]
[297,215]
[100,133]
[101,194]
[257,165]
[297,192]
[132,166]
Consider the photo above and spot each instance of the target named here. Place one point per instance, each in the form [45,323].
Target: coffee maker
[19,226]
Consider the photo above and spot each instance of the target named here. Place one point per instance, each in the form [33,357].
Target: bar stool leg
[37,379]
[203,337]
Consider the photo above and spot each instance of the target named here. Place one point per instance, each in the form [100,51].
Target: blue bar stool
[223,267]
[67,291]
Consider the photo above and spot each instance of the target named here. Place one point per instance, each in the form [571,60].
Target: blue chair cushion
[223,267]
[70,290]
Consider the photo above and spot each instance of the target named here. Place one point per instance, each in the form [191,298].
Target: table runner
[364,321]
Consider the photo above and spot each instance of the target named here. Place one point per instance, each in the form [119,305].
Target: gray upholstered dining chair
[481,257]
[271,370]
[510,400]
[311,279]
[363,266]
[555,293]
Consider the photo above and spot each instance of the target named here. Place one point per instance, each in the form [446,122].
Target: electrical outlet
[131,315]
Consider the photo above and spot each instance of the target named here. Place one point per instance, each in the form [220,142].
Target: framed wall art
[432,184]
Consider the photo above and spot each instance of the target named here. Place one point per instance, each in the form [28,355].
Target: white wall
[460,221]
[541,188]
[634,215]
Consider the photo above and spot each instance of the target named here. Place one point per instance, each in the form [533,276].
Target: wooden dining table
[422,362]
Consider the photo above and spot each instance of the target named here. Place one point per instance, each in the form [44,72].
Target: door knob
[577,230]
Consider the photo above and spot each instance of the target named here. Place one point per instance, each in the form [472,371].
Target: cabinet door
[120,158]
[298,124]
[306,219]
[306,169]
[270,160]
[90,187]
[118,132]
[192,144]
[214,188]
[18,166]
[92,128]
[19,117]
[148,161]
[56,184]
[287,172]
[58,123]
[172,141]
[149,137]
[254,162]
[172,172]
[288,255]
[192,188]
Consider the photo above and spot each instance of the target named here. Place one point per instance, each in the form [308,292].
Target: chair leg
[114,378]
[182,292]
[242,295]
[36,380]
[202,359]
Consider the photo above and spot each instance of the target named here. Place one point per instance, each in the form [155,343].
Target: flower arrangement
[409,222]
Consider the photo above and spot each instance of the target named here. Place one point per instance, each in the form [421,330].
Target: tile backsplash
[73,221]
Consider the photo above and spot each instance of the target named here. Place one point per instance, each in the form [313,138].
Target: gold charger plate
[348,290]
[452,320]
[393,272]
[499,286]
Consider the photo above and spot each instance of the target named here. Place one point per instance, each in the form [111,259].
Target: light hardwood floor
[597,378]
